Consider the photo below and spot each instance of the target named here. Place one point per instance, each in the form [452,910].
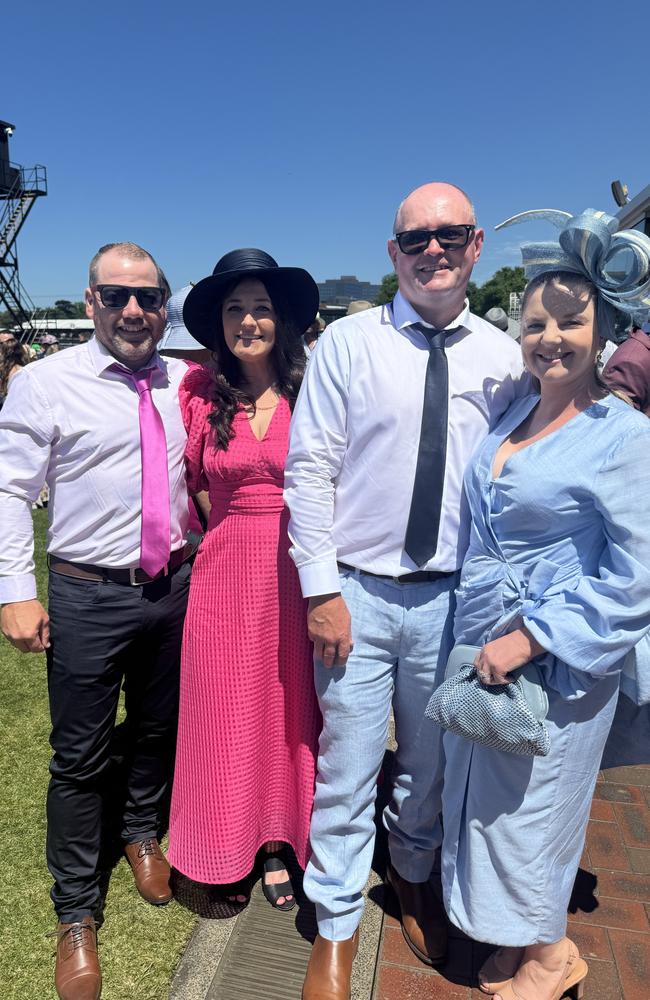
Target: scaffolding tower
[19,189]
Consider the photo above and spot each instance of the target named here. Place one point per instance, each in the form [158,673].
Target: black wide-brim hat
[202,305]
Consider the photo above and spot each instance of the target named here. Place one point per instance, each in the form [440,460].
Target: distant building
[341,291]
[67,331]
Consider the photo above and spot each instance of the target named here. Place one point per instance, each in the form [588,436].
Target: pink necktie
[155,531]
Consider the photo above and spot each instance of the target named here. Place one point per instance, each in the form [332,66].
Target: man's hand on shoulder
[26,625]
[329,629]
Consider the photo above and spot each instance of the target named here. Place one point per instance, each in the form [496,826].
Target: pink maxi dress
[248,716]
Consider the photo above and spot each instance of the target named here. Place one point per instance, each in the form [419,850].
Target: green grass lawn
[140,945]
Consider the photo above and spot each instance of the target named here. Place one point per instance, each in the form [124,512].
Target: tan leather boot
[330,968]
[423,918]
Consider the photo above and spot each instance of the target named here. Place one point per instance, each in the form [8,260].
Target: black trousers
[104,635]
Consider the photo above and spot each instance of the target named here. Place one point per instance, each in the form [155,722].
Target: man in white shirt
[393,404]
[101,424]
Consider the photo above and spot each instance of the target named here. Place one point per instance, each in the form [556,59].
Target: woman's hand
[497,658]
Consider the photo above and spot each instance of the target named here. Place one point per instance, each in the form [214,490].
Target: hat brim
[202,305]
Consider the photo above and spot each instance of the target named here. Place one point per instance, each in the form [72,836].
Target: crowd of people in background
[276,535]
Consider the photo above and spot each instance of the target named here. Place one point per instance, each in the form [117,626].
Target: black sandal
[273,862]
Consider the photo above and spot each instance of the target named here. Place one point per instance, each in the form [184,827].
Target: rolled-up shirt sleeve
[317,447]
[26,433]
[592,626]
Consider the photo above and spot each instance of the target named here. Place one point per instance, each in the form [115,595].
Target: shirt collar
[101,358]
[404,314]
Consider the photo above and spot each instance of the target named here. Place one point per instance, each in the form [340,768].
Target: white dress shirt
[70,421]
[355,435]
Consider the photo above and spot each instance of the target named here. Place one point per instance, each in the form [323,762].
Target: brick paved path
[609,918]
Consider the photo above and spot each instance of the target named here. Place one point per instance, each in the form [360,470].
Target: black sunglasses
[117,296]
[414,241]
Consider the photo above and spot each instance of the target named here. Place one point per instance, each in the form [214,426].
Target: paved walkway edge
[201,958]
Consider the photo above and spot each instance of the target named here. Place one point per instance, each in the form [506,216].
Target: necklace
[261,409]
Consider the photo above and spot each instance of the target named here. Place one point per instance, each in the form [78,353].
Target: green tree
[474,296]
[496,291]
[388,289]
[64,309]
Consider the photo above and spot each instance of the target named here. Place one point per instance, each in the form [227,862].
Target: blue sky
[193,128]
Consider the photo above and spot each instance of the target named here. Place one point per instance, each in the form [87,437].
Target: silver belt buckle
[132,580]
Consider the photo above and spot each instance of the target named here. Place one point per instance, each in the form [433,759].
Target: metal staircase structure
[19,189]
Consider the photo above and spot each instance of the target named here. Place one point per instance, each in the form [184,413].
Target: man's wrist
[317,599]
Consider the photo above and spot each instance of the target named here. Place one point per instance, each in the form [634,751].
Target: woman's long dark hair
[12,355]
[287,358]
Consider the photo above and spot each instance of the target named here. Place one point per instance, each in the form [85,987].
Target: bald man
[393,404]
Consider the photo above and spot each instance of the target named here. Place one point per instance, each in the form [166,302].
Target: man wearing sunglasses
[101,423]
[393,404]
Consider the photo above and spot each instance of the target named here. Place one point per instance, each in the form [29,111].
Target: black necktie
[424,516]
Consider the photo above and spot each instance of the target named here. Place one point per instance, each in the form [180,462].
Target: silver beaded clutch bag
[506,717]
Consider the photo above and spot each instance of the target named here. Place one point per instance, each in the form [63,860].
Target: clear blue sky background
[193,128]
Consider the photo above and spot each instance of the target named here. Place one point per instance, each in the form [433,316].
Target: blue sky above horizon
[193,129]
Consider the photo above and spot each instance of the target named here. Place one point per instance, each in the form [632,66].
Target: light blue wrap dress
[562,539]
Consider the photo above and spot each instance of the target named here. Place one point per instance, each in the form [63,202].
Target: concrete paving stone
[639,774]
[603,811]
[602,982]
[396,982]
[394,949]
[632,954]
[621,913]
[592,942]
[634,822]
[618,793]
[639,859]
[605,846]
[623,885]
[201,959]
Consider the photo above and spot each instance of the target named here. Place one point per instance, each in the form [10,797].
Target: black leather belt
[135,576]
[420,576]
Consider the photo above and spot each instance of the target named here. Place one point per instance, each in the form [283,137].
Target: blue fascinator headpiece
[617,263]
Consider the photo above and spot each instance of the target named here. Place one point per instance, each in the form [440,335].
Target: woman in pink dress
[248,719]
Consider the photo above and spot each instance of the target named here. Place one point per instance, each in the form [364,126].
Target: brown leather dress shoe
[150,870]
[330,968]
[77,975]
[423,918]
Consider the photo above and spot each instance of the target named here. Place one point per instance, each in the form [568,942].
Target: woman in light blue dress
[558,569]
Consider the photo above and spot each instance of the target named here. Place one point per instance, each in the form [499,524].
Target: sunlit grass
[140,945]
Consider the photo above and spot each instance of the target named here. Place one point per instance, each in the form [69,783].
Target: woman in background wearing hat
[248,718]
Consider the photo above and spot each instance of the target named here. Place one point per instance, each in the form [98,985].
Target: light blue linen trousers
[402,636]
